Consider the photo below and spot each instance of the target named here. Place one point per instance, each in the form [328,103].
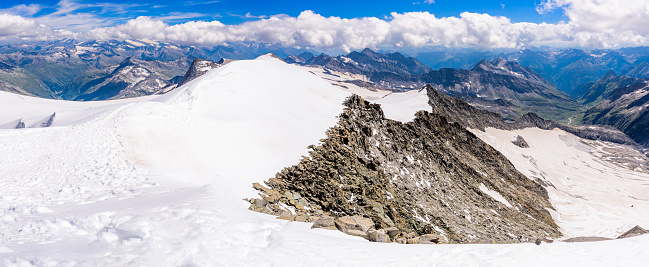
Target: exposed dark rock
[200,67]
[470,117]
[413,179]
[627,109]
[635,231]
[520,142]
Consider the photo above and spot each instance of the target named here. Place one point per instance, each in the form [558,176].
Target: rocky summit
[425,181]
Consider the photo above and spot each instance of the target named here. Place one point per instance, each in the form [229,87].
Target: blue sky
[234,12]
[337,24]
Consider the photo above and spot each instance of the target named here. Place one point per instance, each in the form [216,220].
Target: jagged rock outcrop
[470,117]
[520,142]
[200,67]
[635,231]
[427,180]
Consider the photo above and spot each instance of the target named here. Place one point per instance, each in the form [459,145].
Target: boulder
[348,223]
[378,235]
[414,240]
[325,222]
[430,239]
[357,233]
[392,232]
[363,223]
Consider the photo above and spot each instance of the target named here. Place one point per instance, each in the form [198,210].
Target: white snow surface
[159,181]
[592,197]
[495,195]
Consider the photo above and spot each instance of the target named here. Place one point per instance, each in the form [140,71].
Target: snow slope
[592,197]
[160,182]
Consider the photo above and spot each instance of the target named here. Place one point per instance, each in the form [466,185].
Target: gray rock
[635,231]
[520,142]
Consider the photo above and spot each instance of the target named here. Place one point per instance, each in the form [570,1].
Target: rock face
[506,81]
[423,181]
[635,231]
[520,142]
[200,67]
[470,117]
[626,110]
[133,77]
[604,87]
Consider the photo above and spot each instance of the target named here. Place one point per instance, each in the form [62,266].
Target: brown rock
[325,222]
[357,233]
[378,236]
[360,223]
[363,223]
[392,232]
[430,239]
[414,240]
[401,240]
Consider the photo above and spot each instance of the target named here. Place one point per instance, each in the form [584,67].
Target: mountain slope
[159,181]
[604,87]
[518,86]
[426,176]
[626,110]
[132,78]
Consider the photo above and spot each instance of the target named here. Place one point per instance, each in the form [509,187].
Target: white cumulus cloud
[13,25]
[591,24]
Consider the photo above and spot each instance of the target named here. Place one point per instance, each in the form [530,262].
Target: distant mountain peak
[609,75]
[482,65]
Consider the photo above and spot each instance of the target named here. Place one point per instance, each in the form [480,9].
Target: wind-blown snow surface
[160,183]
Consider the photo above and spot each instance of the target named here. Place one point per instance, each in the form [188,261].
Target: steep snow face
[592,197]
[160,183]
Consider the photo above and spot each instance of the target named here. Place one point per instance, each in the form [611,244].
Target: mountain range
[163,179]
[501,86]
[567,69]
[76,70]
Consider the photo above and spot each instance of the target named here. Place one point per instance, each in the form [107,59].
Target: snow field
[160,183]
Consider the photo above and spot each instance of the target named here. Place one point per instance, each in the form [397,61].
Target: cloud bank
[590,24]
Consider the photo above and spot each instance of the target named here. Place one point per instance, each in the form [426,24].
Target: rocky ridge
[468,116]
[425,181]
[199,67]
